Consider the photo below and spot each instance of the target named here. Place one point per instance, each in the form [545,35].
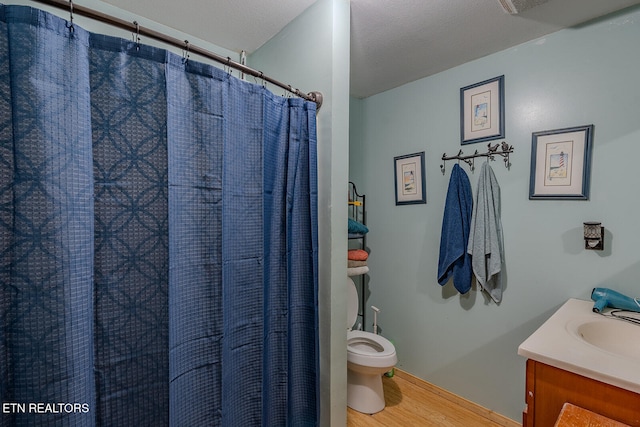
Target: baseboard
[460,401]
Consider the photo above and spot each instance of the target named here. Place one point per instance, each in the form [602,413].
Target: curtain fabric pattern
[158,237]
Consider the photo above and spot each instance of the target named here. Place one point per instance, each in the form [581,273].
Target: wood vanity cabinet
[548,388]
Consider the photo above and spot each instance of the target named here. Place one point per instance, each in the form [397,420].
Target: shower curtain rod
[139,30]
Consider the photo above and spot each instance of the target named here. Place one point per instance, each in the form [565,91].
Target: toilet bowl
[368,357]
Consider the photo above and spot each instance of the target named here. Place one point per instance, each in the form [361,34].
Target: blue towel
[356,227]
[454,259]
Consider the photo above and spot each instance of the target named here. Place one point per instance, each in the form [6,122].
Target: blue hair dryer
[605,297]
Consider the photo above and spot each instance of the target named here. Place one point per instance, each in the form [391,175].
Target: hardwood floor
[413,402]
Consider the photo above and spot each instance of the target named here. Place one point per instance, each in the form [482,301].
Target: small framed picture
[482,111]
[410,180]
[561,163]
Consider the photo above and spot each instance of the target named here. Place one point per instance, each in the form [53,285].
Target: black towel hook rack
[492,151]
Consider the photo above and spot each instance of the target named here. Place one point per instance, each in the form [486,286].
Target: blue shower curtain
[158,237]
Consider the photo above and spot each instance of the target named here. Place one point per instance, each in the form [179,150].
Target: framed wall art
[482,111]
[561,163]
[410,179]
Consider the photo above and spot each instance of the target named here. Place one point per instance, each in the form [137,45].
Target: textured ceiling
[393,42]
[397,41]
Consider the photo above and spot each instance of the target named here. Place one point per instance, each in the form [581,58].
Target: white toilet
[368,357]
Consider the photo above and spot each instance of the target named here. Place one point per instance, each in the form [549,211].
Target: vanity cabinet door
[548,388]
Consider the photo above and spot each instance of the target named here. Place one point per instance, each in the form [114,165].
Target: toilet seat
[367,349]
[366,343]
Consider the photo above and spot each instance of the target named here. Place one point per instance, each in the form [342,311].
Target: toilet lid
[352,303]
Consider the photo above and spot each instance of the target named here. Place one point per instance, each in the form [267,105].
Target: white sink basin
[578,340]
[612,335]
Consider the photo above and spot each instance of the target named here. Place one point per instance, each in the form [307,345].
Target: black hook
[505,150]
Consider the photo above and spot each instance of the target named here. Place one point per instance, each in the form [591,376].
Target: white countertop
[557,344]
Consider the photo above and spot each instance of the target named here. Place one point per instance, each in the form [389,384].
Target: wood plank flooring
[413,402]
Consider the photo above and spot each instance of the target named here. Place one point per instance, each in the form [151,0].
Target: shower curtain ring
[136,39]
[185,52]
[71,27]
[228,66]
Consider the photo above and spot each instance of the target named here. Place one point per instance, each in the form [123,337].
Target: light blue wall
[312,53]
[467,344]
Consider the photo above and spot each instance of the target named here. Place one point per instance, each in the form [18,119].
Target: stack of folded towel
[357,262]
[357,229]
